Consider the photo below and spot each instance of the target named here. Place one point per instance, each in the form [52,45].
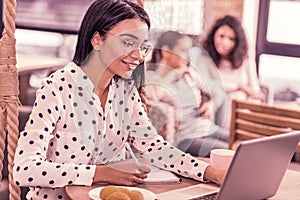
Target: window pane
[283,22]
[280,73]
[179,15]
[51,14]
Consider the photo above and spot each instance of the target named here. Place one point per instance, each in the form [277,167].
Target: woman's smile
[130,65]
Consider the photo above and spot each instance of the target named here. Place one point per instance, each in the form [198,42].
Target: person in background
[86,112]
[211,104]
[202,61]
[172,81]
[227,45]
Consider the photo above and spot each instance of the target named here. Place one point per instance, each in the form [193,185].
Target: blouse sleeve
[159,152]
[32,167]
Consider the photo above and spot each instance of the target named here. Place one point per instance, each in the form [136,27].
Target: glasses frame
[134,46]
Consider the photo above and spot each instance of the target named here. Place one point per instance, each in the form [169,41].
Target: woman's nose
[137,53]
[227,42]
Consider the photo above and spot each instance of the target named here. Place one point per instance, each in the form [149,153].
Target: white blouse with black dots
[68,134]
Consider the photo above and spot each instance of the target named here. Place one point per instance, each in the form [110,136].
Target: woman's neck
[100,76]
[98,73]
[224,57]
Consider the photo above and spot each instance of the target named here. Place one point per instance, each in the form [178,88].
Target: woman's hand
[251,93]
[122,173]
[215,175]
[206,109]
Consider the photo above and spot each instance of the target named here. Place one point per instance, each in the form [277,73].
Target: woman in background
[227,45]
[86,112]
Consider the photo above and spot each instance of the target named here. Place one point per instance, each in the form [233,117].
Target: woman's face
[125,47]
[224,40]
[180,53]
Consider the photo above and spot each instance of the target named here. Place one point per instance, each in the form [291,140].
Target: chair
[252,120]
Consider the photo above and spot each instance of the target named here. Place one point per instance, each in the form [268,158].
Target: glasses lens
[130,45]
[145,49]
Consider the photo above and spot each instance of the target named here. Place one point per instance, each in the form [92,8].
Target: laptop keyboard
[211,196]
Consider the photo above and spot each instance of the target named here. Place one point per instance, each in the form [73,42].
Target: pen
[128,148]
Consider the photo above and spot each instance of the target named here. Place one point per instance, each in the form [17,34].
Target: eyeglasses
[130,44]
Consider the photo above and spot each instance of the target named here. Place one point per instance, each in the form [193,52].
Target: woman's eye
[144,47]
[128,43]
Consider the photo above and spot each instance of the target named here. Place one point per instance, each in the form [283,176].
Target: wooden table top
[288,189]
[81,192]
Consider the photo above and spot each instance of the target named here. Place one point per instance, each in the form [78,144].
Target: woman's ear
[165,51]
[96,41]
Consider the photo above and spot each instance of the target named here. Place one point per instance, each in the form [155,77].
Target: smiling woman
[86,112]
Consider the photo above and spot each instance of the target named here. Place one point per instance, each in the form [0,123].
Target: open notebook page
[157,176]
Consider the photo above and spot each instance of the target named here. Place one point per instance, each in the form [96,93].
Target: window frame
[263,46]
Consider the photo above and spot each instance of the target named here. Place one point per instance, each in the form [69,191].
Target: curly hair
[240,50]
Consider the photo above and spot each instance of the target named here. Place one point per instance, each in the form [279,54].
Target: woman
[172,81]
[84,113]
[227,45]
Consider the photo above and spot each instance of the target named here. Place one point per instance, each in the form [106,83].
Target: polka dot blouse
[68,134]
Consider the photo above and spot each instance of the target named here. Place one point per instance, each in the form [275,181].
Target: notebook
[258,167]
[160,176]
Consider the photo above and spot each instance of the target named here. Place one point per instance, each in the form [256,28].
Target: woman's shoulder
[68,74]
[65,77]
[70,68]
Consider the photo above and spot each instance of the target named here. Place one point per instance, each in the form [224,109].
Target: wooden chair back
[252,120]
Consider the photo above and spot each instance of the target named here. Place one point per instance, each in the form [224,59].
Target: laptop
[256,171]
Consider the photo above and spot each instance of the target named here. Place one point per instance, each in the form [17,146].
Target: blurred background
[49,27]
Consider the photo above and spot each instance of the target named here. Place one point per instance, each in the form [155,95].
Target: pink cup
[221,158]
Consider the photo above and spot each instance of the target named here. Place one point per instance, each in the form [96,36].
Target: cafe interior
[39,37]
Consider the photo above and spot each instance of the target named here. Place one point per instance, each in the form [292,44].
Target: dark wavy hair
[240,50]
[168,38]
[101,17]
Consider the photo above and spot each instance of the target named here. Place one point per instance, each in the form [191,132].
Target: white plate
[148,195]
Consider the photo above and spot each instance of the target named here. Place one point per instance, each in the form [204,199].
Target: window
[278,47]
[62,16]
[282,14]
[178,15]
